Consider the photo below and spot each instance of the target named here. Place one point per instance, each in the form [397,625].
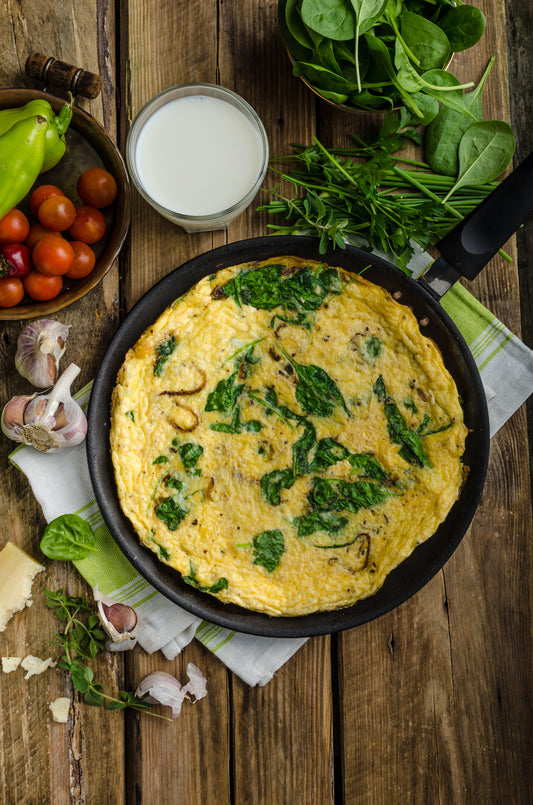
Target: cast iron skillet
[469,245]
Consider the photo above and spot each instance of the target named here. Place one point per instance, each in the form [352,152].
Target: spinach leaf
[412,449]
[220,584]
[273,482]
[295,25]
[68,537]
[301,448]
[161,460]
[379,389]
[170,512]
[425,40]
[224,395]
[444,133]
[369,465]
[269,546]
[189,454]
[330,494]
[316,392]
[328,452]
[447,88]
[267,288]
[319,521]
[164,351]
[331,18]
[367,12]
[236,425]
[484,152]
[464,26]
[369,348]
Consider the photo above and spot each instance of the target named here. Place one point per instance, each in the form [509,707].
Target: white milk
[198,155]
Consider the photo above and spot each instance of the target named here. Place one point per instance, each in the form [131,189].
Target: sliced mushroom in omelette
[284,436]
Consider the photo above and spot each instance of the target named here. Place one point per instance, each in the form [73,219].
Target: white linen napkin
[61,484]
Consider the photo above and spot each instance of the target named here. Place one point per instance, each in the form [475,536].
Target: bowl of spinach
[377,55]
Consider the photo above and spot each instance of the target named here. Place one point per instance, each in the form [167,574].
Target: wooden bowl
[88,145]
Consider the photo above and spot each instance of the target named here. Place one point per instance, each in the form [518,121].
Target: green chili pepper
[55,143]
[21,159]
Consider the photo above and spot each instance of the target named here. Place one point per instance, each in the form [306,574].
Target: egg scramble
[283,436]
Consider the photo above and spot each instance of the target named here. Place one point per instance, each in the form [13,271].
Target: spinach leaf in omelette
[224,395]
[272,286]
[273,482]
[412,449]
[189,454]
[164,351]
[332,494]
[170,512]
[268,546]
[316,392]
[220,584]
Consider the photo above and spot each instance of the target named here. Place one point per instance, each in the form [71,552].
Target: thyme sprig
[81,639]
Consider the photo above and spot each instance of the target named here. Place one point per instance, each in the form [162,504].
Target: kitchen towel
[61,484]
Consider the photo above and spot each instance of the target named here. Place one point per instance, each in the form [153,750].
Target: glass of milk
[198,154]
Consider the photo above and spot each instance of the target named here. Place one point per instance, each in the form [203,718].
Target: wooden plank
[40,759]
[432,679]
[282,747]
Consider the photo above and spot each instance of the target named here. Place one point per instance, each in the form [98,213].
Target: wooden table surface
[432,702]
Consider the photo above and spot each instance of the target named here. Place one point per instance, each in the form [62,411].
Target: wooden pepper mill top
[60,74]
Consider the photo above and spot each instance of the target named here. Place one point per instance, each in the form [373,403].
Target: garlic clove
[159,687]
[118,621]
[13,416]
[39,348]
[50,421]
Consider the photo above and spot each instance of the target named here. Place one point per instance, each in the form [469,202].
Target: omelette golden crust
[284,436]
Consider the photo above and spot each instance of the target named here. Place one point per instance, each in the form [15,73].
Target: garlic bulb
[39,348]
[49,421]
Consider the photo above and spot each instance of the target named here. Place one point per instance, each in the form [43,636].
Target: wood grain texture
[432,702]
[42,761]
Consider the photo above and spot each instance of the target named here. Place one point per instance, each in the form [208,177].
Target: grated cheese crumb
[60,708]
[10,664]
[34,665]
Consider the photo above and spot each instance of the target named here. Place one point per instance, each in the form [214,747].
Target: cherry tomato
[14,227]
[36,233]
[52,255]
[40,194]
[11,291]
[15,260]
[40,287]
[97,187]
[84,260]
[57,213]
[89,225]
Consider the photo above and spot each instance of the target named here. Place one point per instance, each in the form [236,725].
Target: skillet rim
[405,580]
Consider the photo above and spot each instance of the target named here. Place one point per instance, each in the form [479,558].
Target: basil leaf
[68,537]
[269,546]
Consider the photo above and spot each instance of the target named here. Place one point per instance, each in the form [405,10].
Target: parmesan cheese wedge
[17,571]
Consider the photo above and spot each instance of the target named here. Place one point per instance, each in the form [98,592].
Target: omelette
[284,435]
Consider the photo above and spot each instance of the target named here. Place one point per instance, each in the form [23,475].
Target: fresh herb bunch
[81,639]
[377,54]
[371,192]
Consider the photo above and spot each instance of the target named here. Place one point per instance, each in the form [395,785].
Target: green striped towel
[61,484]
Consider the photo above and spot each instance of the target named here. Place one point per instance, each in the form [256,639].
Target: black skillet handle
[478,237]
